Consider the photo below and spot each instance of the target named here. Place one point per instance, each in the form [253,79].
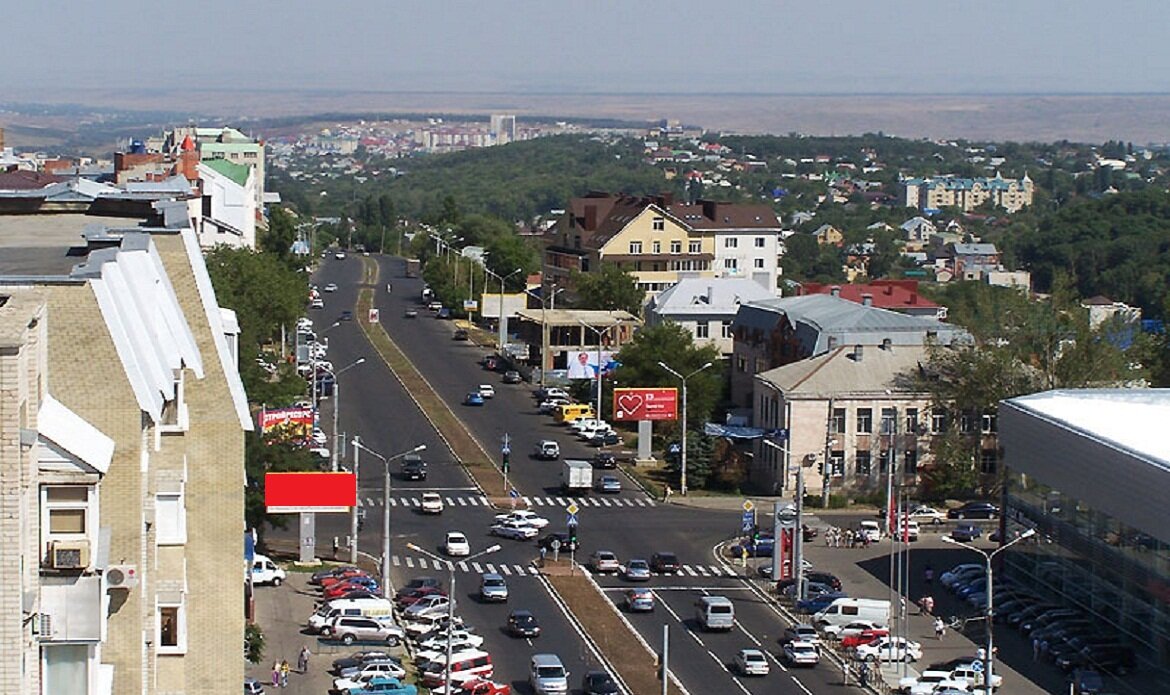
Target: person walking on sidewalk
[303,660]
[275,674]
[284,669]
[940,628]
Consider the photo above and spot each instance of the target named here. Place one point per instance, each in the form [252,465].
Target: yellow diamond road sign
[748,506]
[572,508]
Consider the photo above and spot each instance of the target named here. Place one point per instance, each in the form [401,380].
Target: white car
[319,437]
[881,650]
[929,682]
[515,530]
[524,516]
[557,393]
[588,431]
[751,662]
[432,503]
[870,530]
[927,515]
[340,255]
[856,627]
[358,677]
[439,641]
[582,423]
[456,545]
[305,323]
[429,605]
[487,391]
[331,287]
[798,653]
[317,303]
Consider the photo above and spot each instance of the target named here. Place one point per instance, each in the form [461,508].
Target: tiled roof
[25,180]
[886,294]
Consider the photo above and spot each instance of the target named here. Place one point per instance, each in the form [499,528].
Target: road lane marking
[801,685]
[729,671]
[410,562]
[606,502]
[395,560]
[491,568]
[393,502]
[505,571]
[476,567]
[463,567]
[527,501]
[462,501]
[484,501]
[561,501]
[450,502]
[422,563]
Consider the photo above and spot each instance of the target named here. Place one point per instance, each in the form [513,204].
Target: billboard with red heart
[645,404]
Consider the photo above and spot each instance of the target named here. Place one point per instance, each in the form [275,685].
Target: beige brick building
[149,597]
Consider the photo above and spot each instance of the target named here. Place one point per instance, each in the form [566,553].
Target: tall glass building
[1090,471]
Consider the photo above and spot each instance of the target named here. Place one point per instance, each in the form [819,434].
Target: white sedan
[514,529]
[889,649]
[524,516]
[856,627]
[751,662]
[798,653]
[927,515]
[432,503]
[439,641]
[331,287]
[456,545]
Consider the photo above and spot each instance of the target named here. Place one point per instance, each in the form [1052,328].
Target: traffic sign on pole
[571,520]
[513,494]
[572,508]
[748,505]
[749,520]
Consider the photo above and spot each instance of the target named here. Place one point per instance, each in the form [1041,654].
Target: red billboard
[645,404]
[309,492]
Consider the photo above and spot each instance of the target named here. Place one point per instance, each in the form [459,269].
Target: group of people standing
[281,669]
[847,538]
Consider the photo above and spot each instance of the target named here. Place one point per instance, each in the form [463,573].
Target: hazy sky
[640,46]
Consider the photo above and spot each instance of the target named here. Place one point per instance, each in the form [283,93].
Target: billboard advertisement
[288,424]
[582,364]
[286,493]
[645,404]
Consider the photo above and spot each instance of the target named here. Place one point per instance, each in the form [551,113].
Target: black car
[546,542]
[599,683]
[413,467]
[811,577]
[604,460]
[1111,658]
[512,377]
[522,623]
[460,334]
[974,510]
[664,563]
[419,583]
[346,316]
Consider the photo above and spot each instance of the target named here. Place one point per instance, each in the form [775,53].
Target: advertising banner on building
[645,404]
[582,364]
[287,424]
[286,493]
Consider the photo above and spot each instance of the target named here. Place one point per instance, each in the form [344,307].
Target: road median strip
[463,446]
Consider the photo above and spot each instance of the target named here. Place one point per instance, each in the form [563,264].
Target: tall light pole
[544,307]
[503,323]
[600,368]
[357,444]
[989,606]
[337,407]
[451,594]
[682,483]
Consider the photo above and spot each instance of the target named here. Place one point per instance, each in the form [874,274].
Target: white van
[846,610]
[265,571]
[377,608]
[715,613]
[465,666]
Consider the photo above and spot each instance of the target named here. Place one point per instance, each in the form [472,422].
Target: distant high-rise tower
[503,128]
[1,138]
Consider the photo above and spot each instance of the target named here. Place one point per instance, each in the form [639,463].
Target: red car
[339,589]
[863,637]
[342,576]
[477,686]
[413,597]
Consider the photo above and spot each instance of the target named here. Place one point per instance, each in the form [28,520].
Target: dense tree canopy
[674,346]
[609,289]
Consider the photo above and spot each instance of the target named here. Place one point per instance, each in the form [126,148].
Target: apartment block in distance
[136,504]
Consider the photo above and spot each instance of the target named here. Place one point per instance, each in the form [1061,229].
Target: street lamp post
[503,323]
[337,407]
[357,444]
[600,337]
[989,606]
[451,594]
[682,483]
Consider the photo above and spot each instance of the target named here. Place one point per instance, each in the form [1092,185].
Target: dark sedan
[974,510]
[599,683]
[665,563]
[966,532]
[522,623]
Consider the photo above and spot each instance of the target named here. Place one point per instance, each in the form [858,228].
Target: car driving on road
[751,662]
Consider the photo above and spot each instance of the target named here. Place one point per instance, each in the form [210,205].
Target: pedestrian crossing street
[516,570]
[481,501]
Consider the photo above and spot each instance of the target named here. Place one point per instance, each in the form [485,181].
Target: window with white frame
[174,412]
[170,516]
[759,262]
[659,224]
[66,510]
[635,247]
[726,332]
[761,242]
[702,329]
[730,263]
[694,247]
[990,424]
[938,421]
[171,626]
[731,243]
[676,246]
[656,246]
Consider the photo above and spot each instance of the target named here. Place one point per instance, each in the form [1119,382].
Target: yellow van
[573,411]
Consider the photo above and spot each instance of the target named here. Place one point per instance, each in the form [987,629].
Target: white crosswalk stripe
[491,568]
[450,502]
[690,570]
[463,567]
[703,571]
[410,562]
[476,501]
[527,501]
[561,502]
[463,500]
[504,569]
[393,502]
[476,567]
[422,562]
[533,571]
[519,570]
[395,560]
[484,501]
[405,501]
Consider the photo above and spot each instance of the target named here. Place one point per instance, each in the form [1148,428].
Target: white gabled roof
[71,433]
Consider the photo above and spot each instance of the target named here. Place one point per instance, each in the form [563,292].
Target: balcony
[71,608]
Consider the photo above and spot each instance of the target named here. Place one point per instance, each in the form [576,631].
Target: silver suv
[350,629]
[547,675]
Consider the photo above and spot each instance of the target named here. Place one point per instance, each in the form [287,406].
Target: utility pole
[665,658]
[827,467]
[353,518]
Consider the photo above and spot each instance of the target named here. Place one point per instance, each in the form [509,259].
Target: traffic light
[505,461]
[573,533]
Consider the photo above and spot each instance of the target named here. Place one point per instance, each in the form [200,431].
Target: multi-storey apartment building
[967,194]
[660,241]
[137,437]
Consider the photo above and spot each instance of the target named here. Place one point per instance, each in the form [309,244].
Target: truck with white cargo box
[577,476]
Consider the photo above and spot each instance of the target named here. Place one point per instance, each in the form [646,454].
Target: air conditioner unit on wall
[69,555]
[121,576]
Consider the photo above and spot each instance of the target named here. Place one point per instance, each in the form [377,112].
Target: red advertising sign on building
[309,492]
[645,404]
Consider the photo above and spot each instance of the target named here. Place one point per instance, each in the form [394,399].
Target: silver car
[492,587]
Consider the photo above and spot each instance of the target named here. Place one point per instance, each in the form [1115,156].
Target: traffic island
[467,451]
[631,657]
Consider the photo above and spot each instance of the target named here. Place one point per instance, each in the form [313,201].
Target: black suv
[974,510]
[604,459]
[413,467]
[664,563]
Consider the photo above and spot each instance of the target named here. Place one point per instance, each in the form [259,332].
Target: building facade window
[988,461]
[657,247]
[912,420]
[864,420]
[759,262]
[702,330]
[694,247]
[761,242]
[731,243]
[967,422]
[172,628]
[170,514]
[889,420]
[740,363]
[837,421]
[837,464]
[884,461]
[910,462]
[659,224]
[730,264]
[635,248]
[990,423]
[863,460]
[676,246]
[726,332]
[938,422]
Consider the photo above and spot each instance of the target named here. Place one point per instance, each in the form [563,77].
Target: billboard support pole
[308,534]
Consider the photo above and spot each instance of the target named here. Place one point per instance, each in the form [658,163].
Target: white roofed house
[706,307]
